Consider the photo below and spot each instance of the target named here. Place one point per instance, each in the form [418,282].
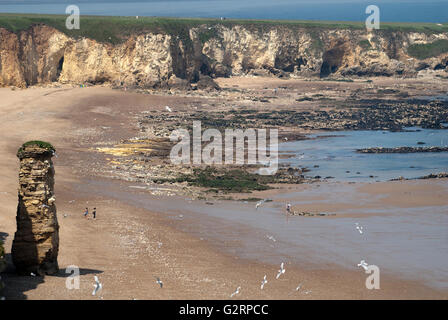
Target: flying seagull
[263,282]
[299,286]
[358,227]
[236,292]
[271,238]
[363,264]
[97,286]
[159,282]
[281,271]
[307,292]
[259,203]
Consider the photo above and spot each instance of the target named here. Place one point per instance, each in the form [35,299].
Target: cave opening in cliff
[289,65]
[332,60]
[60,65]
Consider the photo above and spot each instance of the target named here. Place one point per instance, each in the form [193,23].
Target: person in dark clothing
[94,213]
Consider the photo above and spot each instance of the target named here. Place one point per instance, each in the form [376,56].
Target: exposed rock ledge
[403,150]
[42,54]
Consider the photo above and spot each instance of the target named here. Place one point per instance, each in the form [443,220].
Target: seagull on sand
[159,282]
[168,109]
[358,227]
[236,292]
[299,286]
[363,264]
[281,271]
[263,282]
[97,286]
[271,238]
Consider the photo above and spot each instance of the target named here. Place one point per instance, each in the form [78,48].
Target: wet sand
[130,243]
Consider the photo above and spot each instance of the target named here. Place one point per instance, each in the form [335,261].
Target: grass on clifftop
[424,51]
[115,29]
[41,144]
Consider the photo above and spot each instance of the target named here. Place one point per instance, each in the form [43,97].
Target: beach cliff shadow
[16,285]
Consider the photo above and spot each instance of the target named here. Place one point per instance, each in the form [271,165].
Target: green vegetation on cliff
[116,29]
[41,144]
[424,51]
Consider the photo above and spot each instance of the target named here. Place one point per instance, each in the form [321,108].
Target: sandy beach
[133,240]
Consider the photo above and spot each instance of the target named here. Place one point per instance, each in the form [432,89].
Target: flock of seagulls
[265,281]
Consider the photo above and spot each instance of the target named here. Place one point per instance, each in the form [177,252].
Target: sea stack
[36,241]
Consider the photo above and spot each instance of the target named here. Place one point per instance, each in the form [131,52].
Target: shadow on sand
[16,285]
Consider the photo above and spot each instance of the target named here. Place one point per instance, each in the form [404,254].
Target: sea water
[333,154]
[339,10]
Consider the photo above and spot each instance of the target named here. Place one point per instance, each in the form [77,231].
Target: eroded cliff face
[43,54]
[36,241]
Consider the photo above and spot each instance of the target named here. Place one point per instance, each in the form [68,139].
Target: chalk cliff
[42,54]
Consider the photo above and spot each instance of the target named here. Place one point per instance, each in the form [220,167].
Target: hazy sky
[353,10]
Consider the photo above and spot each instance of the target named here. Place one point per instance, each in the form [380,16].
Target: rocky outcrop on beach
[42,54]
[402,150]
[36,241]
[435,176]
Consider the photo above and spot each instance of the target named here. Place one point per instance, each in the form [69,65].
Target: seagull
[299,286]
[363,264]
[159,244]
[65,215]
[236,292]
[159,282]
[259,203]
[271,238]
[97,286]
[358,227]
[32,274]
[281,271]
[71,201]
[263,282]
[168,109]
[308,291]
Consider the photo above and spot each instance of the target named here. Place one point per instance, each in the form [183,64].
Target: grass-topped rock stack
[36,241]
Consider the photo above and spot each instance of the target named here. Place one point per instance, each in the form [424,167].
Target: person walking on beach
[288,208]
[94,213]
[86,213]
